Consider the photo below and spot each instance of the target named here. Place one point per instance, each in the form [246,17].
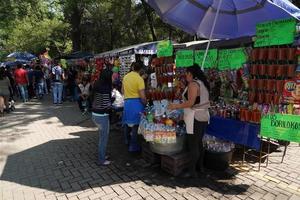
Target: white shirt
[119,99]
[85,90]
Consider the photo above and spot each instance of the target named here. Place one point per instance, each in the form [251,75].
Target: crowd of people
[104,100]
[26,82]
[195,104]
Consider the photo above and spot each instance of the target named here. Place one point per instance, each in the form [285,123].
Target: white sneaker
[107,162]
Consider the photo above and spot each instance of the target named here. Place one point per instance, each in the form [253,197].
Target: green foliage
[33,25]
[34,36]
[73,25]
[129,26]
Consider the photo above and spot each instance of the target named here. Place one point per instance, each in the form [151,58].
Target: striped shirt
[101,100]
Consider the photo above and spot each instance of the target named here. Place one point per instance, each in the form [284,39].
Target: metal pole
[211,33]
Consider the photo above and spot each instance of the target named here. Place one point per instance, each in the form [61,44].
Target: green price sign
[281,127]
[211,58]
[277,32]
[184,58]
[231,58]
[164,48]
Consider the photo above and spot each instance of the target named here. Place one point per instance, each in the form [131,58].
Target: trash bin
[218,161]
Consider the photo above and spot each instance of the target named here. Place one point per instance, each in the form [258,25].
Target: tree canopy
[79,25]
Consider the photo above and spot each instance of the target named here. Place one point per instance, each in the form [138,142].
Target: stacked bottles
[214,144]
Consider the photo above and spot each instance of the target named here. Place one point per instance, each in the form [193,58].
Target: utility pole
[111,18]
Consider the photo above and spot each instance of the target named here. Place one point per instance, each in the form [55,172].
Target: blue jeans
[74,92]
[23,91]
[131,137]
[40,89]
[57,92]
[45,87]
[102,122]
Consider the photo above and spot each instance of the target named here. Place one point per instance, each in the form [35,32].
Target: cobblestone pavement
[49,152]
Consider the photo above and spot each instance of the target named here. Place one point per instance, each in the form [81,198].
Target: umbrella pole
[211,33]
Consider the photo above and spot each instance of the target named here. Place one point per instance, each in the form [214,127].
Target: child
[118,102]
[85,89]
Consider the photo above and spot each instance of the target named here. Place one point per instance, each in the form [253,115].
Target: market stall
[251,79]
[122,58]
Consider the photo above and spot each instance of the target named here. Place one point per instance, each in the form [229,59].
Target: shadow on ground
[13,125]
[69,165]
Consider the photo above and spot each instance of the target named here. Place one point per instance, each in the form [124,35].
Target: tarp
[77,55]
[147,48]
[236,131]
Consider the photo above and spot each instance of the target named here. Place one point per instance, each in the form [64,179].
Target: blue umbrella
[13,63]
[235,18]
[21,56]
[222,19]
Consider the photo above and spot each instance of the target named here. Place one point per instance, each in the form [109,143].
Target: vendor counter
[238,132]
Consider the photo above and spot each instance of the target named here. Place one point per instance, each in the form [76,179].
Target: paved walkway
[49,152]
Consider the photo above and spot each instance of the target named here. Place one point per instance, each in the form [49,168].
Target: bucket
[251,98]
[254,54]
[290,53]
[270,85]
[253,70]
[263,53]
[272,54]
[279,86]
[256,116]
[218,161]
[262,70]
[277,99]
[281,53]
[290,70]
[271,70]
[248,115]
[252,84]
[260,98]
[280,71]
[261,84]
[268,98]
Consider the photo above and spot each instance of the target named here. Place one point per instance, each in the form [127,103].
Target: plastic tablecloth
[238,132]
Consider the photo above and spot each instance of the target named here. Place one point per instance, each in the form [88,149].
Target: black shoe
[189,175]
[201,171]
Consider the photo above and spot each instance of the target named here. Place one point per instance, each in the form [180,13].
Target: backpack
[57,72]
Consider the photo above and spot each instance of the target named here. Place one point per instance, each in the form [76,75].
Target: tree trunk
[131,34]
[150,20]
[76,29]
